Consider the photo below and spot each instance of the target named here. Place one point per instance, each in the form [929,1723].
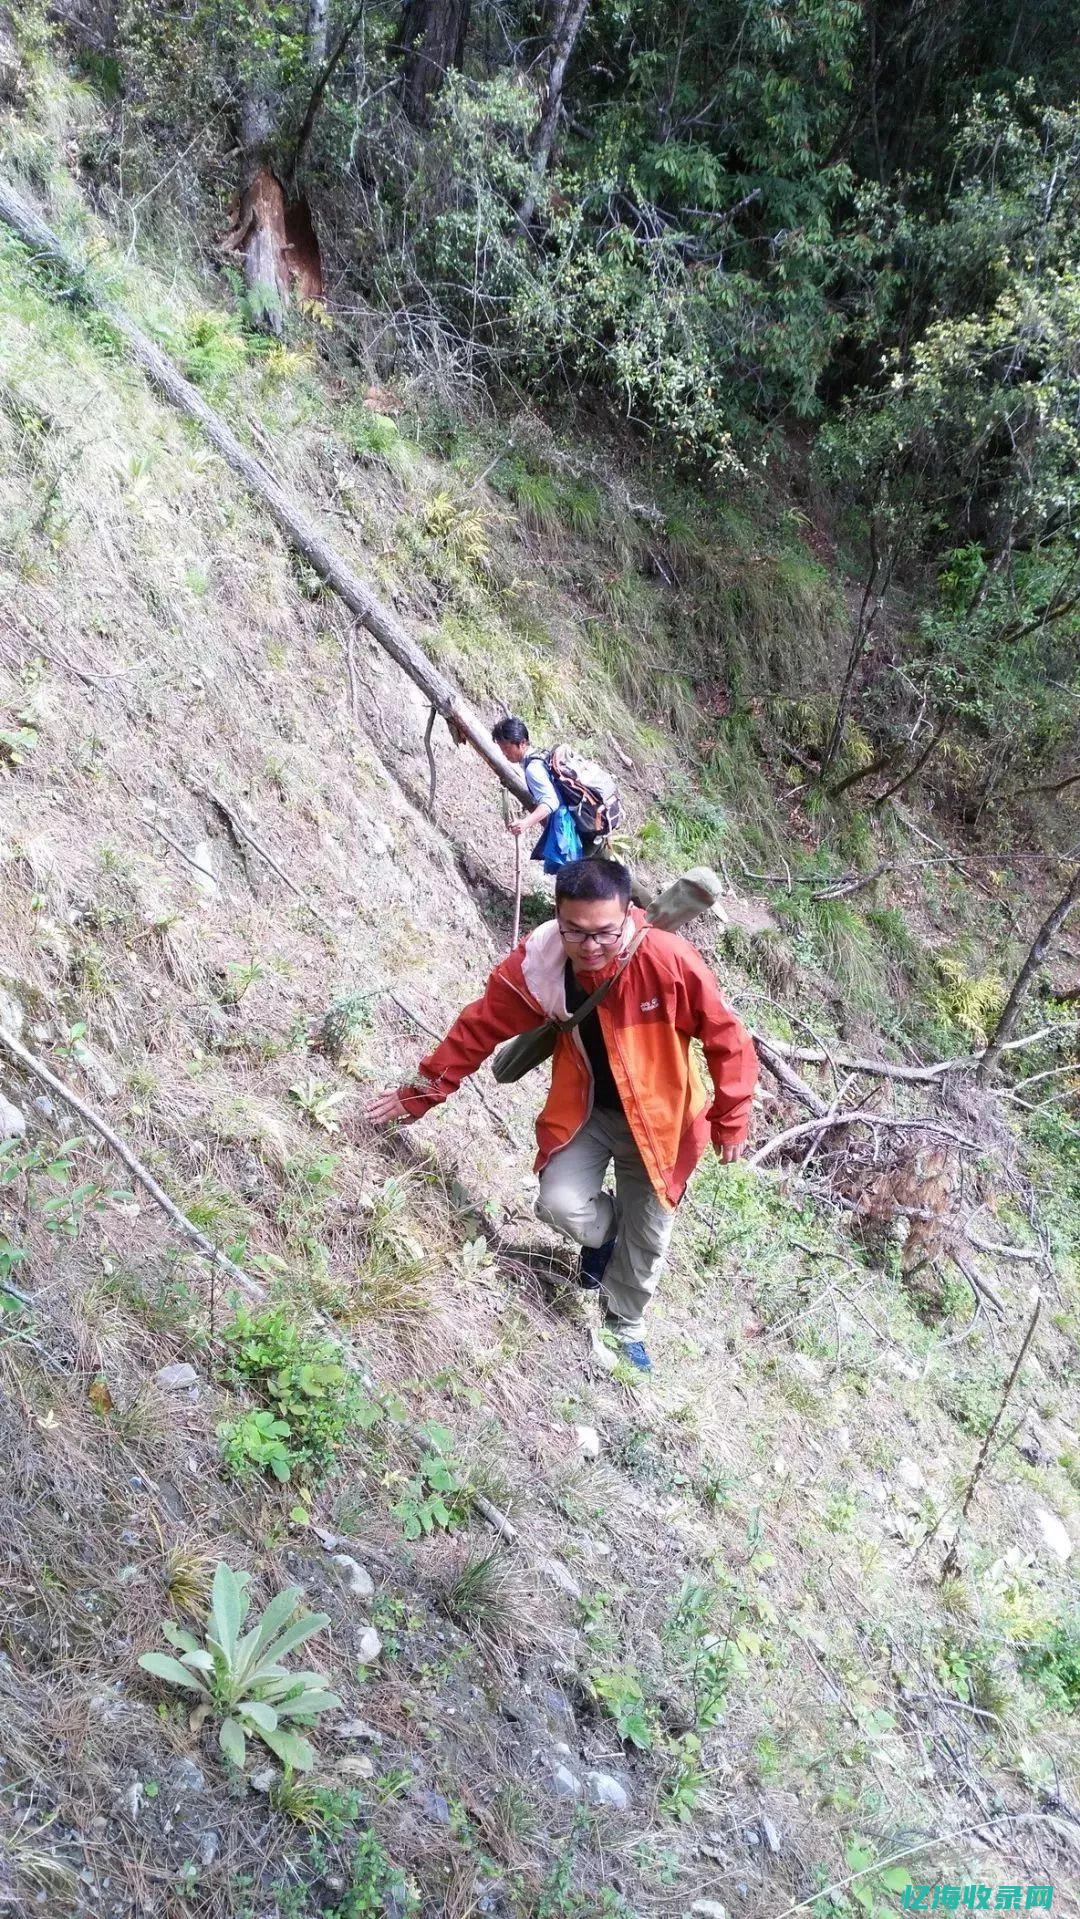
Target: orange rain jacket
[665,997]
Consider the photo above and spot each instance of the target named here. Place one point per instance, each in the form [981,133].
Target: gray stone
[132,1800]
[588,1440]
[209,1846]
[265,1779]
[601,1789]
[558,1712]
[176,1377]
[770,1835]
[370,1646]
[356,1577]
[708,1909]
[99,1076]
[11,1012]
[1054,1534]
[808,1366]
[910,1475]
[188,1777]
[202,869]
[12,1121]
[44,1105]
[358,1729]
[565,1783]
[436,1807]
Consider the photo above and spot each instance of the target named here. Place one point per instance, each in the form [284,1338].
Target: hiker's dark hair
[593,879]
[510,732]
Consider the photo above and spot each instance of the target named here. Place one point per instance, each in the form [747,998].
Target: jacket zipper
[613,1039]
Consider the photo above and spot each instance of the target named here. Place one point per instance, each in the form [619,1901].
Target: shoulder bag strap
[589,1005]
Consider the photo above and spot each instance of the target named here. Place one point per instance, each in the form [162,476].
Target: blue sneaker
[635,1352]
[594,1264]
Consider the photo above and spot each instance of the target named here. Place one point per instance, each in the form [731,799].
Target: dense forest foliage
[731,223]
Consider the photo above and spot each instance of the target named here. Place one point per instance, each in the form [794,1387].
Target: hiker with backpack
[620,1001]
[576,801]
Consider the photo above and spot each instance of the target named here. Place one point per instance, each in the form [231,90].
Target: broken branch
[810,1127]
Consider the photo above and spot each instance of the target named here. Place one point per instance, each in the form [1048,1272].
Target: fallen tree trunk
[287,513]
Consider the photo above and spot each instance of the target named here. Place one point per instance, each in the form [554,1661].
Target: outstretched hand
[729,1154]
[384,1108]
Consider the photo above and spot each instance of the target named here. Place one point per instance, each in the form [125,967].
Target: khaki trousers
[572,1200]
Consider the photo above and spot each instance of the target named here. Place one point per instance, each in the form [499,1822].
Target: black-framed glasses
[605,937]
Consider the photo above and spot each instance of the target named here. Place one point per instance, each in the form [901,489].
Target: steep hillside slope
[712,1662]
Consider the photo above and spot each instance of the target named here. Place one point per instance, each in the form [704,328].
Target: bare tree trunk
[259,235]
[432,34]
[287,513]
[323,78]
[318,15]
[568,23]
[1044,939]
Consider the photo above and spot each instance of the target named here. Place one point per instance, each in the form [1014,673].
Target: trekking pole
[517,891]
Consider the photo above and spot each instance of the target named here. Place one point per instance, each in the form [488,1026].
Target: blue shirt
[540,783]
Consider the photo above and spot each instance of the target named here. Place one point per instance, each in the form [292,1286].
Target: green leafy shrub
[375,436]
[314,1404]
[685,1781]
[240,1678]
[621,1694]
[438,1496]
[257,1442]
[1054,1663]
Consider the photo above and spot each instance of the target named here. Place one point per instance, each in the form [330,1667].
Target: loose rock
[601,1789]
[770,1835]
[177,1377]
[11,1013]
[909,1475]
[1054,1534]
[370,1646]
[209,1846]
[358,1729]
[12,1122]
[588,1440]
[708,1909]
[357,1578]
[265,1779]
[202,869]
[188,1777]
[565,1783]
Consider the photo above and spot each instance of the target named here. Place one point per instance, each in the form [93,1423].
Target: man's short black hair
[593,879]
[510,732]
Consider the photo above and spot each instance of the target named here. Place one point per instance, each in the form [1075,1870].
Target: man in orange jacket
[624,1086]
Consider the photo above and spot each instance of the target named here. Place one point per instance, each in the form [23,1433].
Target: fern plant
[240,1676]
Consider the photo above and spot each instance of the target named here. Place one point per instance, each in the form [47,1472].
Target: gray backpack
[587,790]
